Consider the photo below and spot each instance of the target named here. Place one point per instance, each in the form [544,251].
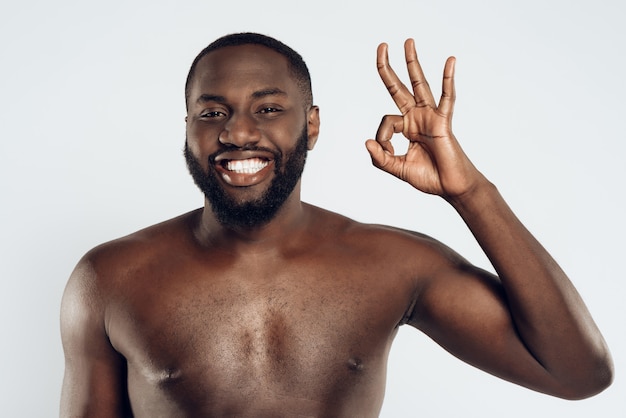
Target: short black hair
[297,66]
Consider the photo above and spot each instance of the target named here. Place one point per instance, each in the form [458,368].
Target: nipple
[355,364]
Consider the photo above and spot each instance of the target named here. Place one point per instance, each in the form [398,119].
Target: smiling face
[248,130]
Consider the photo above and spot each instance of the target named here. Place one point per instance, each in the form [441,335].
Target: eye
[212,114]
[269,109]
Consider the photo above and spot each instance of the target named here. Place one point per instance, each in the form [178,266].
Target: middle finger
[421,89]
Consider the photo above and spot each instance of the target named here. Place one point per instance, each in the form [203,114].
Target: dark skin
[296,318]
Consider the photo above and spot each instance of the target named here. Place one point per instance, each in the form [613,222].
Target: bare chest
[215,338]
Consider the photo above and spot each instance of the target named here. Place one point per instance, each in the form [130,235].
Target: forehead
[240,69]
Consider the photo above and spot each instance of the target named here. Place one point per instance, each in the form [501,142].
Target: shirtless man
[260,305]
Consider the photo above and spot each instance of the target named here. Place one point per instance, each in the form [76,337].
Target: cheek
[285,136]
[201,142]
[191,145]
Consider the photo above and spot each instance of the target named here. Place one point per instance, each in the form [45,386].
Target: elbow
[595,381]
[602,378]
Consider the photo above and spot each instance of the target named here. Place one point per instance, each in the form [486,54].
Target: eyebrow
[204,98]
[274,91]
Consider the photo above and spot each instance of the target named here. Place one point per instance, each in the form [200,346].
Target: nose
[240,130]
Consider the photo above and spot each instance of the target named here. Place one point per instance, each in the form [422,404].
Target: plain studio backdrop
[92,130]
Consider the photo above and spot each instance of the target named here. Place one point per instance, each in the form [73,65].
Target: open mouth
[247,166]
[244,169]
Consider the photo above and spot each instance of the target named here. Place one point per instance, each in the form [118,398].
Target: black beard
[258,212]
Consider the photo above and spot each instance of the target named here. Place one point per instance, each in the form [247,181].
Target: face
[248,131]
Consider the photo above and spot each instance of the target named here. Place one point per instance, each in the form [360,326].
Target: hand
[434,162]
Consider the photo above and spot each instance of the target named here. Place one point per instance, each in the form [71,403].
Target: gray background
[91,128]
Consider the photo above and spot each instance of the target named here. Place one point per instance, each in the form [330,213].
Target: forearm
[549,314]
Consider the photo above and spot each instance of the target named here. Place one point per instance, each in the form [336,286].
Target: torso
[302,332]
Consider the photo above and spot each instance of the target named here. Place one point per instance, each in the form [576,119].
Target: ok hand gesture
[434,162]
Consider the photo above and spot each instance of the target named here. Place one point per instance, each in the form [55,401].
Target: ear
[313,126]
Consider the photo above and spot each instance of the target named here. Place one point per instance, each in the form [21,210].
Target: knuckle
[419,82]
[387,119]
[393,88]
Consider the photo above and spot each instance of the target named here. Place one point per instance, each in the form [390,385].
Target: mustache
[211,158]
[276,153]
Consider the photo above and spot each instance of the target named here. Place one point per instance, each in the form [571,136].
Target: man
[260,305]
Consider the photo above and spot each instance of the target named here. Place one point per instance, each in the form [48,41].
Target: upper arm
[95,374]
[465,310]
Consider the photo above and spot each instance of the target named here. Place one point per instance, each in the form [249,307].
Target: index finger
[398,91]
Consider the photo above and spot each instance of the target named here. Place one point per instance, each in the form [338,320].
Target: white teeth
[250,166]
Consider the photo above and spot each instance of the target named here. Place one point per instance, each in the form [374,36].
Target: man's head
[249,126]
[297,66]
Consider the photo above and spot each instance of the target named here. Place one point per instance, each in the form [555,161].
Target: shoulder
[106,265]
[402,264]
[145,243]
[341,226]
[378,240]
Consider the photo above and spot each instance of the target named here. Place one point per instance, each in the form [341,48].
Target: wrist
[475,198]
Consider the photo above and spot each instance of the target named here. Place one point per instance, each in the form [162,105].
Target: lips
[244,168]
[248,166]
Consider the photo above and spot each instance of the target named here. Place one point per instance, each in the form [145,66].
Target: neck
[290,219]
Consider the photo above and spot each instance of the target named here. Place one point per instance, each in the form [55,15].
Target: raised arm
[529,325]
[95,374]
